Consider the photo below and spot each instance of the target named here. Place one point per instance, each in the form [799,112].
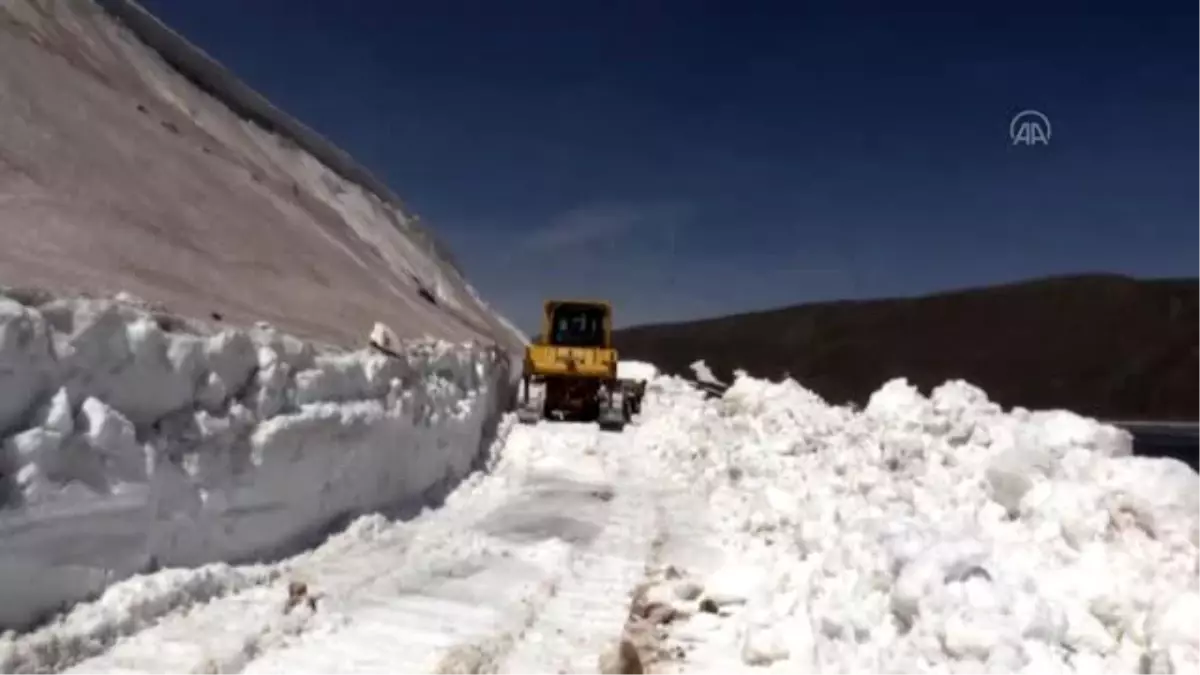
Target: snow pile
[636,370]
[928,534]
[125,607]
[705,375]
[133,441]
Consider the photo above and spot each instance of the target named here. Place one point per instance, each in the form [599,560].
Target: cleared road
[528,567]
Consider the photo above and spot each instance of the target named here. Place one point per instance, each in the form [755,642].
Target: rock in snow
[932,534]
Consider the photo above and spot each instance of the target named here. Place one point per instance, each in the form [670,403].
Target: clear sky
[692,157]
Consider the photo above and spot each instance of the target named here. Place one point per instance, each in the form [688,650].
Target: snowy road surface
[527,567]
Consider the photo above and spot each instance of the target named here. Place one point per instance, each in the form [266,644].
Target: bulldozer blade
[608,424]
[529,415]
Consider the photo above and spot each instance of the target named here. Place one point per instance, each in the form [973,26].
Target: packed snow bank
[927,534]
[133,441]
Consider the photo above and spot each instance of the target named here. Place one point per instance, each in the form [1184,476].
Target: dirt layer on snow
[1105,346]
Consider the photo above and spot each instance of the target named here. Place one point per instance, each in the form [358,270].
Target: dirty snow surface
[118,173]
[763,530]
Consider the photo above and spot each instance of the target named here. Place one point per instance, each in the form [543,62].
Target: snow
[705,375]
[933,533]
[127,447]
[636,370]
[523,568]
[762,530]
[146,459]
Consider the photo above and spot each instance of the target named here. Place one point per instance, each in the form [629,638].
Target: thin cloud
[606,223]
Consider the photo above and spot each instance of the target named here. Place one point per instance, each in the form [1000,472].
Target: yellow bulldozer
[570,371]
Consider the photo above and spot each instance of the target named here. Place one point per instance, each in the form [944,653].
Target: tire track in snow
[589,609]
[689,545]
[467,625]
[587,600]
[400,596]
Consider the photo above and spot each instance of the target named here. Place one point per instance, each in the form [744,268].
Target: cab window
[574,325]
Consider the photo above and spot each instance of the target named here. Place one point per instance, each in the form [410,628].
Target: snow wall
[134,440]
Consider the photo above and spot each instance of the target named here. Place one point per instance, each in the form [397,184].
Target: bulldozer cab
[577,324]
[576,341]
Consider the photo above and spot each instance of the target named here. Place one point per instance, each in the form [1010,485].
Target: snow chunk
[57,414]
[290,350]
[232,356]
[1012,473]
[112,435]
[636,370]
[705,374]
[734,584]
[384,337]
[123,359]
[347,377]
[26,361]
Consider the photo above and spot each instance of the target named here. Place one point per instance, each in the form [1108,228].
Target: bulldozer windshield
[577,326]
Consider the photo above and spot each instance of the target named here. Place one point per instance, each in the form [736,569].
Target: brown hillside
[1103,345]
[120,173]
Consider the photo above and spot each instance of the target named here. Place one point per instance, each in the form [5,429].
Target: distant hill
[1102,345]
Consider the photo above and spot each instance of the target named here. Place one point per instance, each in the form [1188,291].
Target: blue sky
[686,158]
